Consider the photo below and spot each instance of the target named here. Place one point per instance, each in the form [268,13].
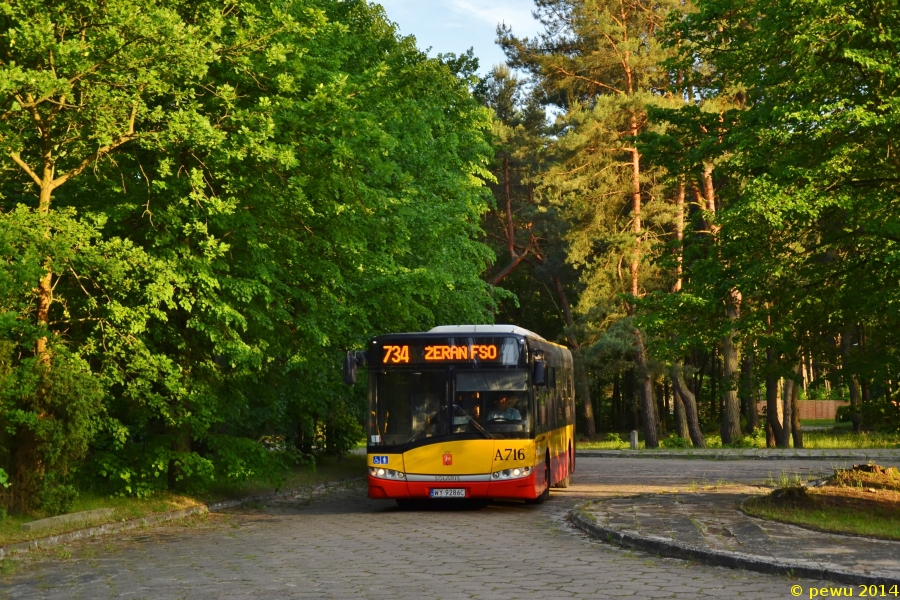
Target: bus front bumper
[522,488]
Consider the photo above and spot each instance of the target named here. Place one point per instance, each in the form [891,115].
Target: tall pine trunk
[787,407]
[681,424]
[772,403]
[849,378]
[582,383]
[796,431]
[642,370]
[748,392]
[731,413]
[689,402]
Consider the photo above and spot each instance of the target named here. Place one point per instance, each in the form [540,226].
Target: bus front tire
[546,493]
[567,480]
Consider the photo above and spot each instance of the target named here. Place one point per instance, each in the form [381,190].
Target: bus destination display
[436,353]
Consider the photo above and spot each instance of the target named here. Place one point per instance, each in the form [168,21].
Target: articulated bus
[469,412]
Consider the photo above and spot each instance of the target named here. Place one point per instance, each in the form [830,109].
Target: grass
[852,501]
[838,438]
[327,469]
[827,423]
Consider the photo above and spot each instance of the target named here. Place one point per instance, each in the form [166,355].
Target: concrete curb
[738,455]
[78,517]
[719,558]
[107,528]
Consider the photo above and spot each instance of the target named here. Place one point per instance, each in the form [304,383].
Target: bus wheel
[567,480]
[546,493]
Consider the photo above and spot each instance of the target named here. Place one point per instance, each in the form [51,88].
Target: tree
[599,63]
[803,156]
[236,195]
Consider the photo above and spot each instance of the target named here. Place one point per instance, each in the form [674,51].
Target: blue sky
[456,25]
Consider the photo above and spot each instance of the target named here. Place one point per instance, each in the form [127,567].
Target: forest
[708,217]
[204,205]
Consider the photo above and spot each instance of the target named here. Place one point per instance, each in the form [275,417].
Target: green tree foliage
[202,206]
[806,172]
[599,64]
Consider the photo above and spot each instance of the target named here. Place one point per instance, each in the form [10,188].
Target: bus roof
[484,329]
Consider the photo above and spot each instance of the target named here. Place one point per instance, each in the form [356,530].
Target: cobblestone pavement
[345,546]
[711,521]
[880,455]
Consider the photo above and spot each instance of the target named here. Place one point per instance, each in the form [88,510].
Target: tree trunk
[645,387]
[679,234]
[698,378]
[631,397]
[661,409]
[849,378]
[787,410]
[713,381]
[681,424]
[668,405]
[748,391]
[617,412]
[583,392]
[731,414]
[582,383]
[689,403]
[796,431]
[778,432]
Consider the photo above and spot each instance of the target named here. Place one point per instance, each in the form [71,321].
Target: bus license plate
[448,493]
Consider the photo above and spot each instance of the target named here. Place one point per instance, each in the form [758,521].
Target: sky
[456,25]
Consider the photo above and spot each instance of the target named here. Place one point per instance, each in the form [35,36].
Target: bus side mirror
[539,373]
[352,361]
[350,368]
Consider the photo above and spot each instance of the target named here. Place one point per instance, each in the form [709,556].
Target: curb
[107,528]
[734,455]
[720,558]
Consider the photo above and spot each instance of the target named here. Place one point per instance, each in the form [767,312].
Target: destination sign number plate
[448,493]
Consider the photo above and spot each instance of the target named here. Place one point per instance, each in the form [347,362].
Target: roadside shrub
[878,414]
[57,495]
[754,439]
[674,441]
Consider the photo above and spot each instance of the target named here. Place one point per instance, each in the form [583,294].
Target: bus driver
[502,412]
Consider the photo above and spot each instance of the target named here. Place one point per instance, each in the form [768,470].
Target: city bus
[473,412]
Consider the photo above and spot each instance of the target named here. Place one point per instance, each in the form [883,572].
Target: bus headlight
[382,473]
[516,473]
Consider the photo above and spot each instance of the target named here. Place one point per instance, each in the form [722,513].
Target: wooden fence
[812,409]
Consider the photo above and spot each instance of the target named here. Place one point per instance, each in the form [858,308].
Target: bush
[50,414]
[878,414]
[674,441]
[57,497]
[754,439]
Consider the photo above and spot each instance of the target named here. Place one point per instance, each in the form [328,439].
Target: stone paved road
[346,546]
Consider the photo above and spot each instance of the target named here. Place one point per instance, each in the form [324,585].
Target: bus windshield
[493,401]
[413,406]
[409,406]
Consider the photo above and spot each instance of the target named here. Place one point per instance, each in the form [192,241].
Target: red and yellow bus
[468,411]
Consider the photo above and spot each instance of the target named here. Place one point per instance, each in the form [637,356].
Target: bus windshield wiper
[480,429]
